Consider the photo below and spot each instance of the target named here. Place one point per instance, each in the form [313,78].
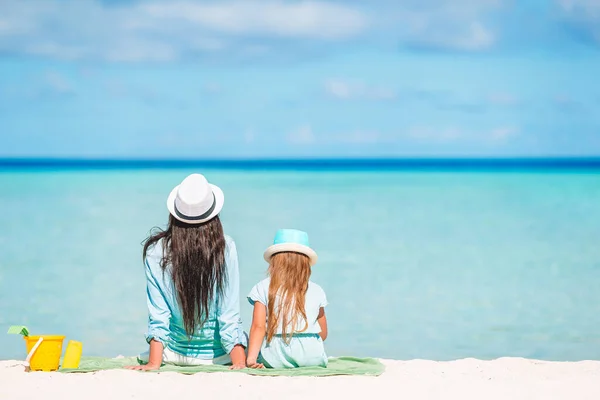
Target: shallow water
[415,265]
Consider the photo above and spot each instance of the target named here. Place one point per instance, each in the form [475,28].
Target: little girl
[289,309]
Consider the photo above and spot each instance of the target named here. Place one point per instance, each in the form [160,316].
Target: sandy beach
[505,378]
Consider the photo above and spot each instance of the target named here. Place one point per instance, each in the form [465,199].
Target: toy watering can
[44,351]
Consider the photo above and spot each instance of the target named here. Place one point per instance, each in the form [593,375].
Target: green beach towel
[337,366]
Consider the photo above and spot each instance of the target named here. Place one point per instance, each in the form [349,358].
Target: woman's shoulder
[155,250]
[230,249]
[229,242]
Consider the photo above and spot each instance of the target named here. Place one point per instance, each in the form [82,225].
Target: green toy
[18,330]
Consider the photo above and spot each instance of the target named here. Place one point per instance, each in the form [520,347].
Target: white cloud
[439,24]
[423,134]
[50,49]
[141,50]
[346,90]
[255,50]
[169,30]
[565,103]
[116,87]
[212,88]
[431,134]
[591,7]
[58,83]
[338,89]
[302,135]
[311,19]
[473,36]
[165,31]
[5,27]
[363,137]
[584,14]
[476,37]
[503,133]
[502,99]
[249,136]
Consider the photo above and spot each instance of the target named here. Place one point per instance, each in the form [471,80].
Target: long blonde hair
[290,273]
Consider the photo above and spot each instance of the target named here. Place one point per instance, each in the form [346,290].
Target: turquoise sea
[433,265]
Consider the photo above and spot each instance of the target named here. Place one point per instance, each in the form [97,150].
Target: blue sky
[198,79]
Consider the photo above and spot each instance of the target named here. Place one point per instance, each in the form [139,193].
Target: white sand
[505,378]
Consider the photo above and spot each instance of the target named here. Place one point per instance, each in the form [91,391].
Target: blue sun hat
[291,240]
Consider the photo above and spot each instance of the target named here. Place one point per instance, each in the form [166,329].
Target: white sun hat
[195,201]
[291,240]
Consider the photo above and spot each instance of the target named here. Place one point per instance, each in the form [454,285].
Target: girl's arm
[257,334]
[322,320]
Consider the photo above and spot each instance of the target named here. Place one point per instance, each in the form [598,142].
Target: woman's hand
[154,358]
[238,366]
[238,357]
[145,367]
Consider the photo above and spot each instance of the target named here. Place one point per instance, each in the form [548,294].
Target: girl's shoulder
[260,292]
[313,286]
[316,294]
[263,284]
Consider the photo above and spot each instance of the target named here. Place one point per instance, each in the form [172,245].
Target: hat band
[198,217]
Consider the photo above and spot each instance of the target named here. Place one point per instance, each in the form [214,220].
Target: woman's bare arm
[238,357]
[154,359]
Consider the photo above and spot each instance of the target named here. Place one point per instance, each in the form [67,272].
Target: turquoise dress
[221,331]
[305,349]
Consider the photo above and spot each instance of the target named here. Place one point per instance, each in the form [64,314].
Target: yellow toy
[44,351]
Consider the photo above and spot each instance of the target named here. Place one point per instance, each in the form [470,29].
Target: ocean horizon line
[398,163]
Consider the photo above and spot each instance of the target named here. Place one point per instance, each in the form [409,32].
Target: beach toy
[44,351]
[18,330]
[72,355]
[31,352]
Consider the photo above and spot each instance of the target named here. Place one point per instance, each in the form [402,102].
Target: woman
[193,284]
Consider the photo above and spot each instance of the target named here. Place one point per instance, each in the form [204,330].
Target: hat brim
[219,200]
[293,247]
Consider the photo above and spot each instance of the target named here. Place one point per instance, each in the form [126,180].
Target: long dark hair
[196,256]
